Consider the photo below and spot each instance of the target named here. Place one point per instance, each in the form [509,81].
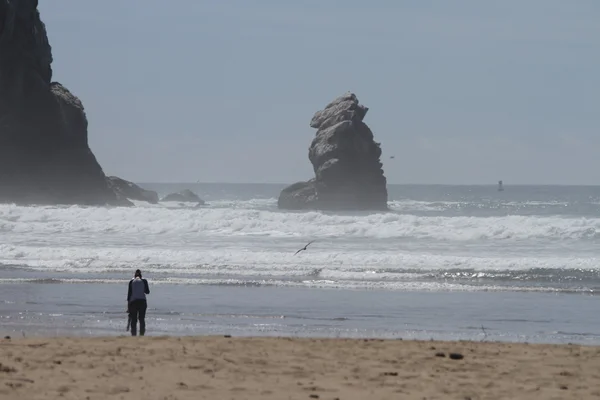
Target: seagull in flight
[304,248]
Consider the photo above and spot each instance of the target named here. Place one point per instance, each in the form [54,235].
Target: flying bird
[392,157]
[304,248]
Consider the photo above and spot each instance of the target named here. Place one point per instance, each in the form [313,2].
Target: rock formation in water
[44,152]
[346,161]
[131,191]
[186,196]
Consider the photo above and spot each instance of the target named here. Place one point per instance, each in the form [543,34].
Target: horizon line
[395,184]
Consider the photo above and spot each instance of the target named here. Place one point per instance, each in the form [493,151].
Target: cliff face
[44,152]
[346,161]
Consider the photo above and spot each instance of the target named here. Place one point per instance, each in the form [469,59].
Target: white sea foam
[349,264]
[322,283]
[253,241]
[128,223]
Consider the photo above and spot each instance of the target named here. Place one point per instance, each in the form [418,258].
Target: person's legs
[142,313]
[134,317]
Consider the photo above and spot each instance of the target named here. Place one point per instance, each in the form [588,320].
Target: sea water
[444,262]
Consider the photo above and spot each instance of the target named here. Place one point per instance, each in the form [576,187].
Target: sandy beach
[291,368]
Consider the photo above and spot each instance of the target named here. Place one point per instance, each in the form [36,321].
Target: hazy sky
[223,91]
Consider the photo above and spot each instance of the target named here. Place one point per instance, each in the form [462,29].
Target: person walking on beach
[136,302]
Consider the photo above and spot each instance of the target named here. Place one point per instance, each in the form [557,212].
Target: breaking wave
[252,243]
[219,221]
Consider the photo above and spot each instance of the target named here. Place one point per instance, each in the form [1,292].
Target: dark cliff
[44,152]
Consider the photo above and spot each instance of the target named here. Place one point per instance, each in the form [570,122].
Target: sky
[460,92]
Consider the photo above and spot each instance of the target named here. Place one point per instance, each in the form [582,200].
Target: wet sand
[73,309]
[212,367]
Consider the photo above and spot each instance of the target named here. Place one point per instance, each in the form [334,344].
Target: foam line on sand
[292,368]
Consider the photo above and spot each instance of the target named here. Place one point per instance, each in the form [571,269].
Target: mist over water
[458,238]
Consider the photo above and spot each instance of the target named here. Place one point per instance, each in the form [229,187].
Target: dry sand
[286,368]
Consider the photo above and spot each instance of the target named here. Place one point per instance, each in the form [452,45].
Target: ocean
[446,262]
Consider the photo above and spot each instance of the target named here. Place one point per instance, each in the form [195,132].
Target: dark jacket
[138,289]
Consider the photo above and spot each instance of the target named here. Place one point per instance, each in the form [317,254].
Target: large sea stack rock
[346,161]
[44,152]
